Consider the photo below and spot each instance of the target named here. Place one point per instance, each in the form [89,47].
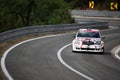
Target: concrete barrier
[95,13]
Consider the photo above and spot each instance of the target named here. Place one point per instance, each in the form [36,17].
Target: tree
[20,9]
[51,12]
[17,13]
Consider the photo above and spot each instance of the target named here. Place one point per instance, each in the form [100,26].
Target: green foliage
[51,12]
[18,13]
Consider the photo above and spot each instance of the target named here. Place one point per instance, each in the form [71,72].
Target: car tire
[103,51]
[73,51]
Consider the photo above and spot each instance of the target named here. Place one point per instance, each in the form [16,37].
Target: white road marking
[116,51]
[68,66]
[117,54]
[3,66]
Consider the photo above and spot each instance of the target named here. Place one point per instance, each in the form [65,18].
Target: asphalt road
[37,60]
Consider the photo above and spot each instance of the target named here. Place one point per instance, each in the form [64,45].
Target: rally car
[88,40]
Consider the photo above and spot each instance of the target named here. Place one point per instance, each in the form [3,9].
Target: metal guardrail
[95,13]
[8,35]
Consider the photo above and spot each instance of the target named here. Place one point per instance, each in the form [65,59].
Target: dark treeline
[21,13]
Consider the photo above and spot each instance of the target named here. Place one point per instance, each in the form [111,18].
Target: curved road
[37,60]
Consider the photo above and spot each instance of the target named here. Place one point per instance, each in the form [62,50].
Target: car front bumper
[88,49]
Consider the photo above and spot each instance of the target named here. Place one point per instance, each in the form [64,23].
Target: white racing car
[88,40]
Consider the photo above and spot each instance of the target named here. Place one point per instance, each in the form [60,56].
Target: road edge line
[69,67]
[115,51]
[3,58]
[3,66]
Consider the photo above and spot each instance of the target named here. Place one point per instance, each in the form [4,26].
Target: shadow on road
[93,53]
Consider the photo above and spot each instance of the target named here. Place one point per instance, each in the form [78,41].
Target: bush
[20,13]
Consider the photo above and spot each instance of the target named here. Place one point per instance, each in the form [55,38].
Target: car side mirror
[103,37]
[73,36]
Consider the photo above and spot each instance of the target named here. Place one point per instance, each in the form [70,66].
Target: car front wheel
[103,50]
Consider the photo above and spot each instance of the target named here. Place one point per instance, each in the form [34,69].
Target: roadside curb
[116,52]
[99,17]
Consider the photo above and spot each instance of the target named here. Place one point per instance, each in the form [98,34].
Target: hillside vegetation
[21,13]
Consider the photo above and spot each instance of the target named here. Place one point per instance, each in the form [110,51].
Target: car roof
[88,30]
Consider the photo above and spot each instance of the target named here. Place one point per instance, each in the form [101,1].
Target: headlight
[98,42]
[77,42]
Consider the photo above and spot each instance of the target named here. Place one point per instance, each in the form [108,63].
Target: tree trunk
[29,11]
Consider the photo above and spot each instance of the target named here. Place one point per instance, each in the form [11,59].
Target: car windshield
[89,34]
